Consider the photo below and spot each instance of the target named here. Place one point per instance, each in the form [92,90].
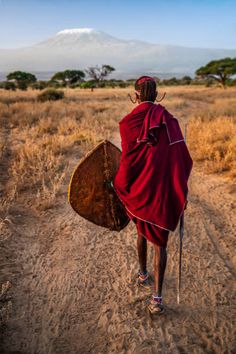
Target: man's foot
[141,280]
[144,281]
[156,306]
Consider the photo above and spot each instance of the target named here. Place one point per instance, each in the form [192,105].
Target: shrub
[87,84]
[123,84]
[76,85]
[231,82]
[210,82]
[186,80]
[8,86]
[170,82]
[22,85]
[39,85]
[51,95]
[55,84]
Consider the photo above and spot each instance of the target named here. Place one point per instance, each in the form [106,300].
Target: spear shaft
[181,236]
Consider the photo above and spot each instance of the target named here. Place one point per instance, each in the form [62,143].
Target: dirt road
[69,281]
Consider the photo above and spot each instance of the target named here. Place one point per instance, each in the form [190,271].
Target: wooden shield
[91,193]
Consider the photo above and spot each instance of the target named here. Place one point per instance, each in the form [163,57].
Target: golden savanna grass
[41,137]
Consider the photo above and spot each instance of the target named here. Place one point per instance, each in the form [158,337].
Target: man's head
[145,89]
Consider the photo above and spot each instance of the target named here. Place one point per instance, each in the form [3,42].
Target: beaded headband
[144,79]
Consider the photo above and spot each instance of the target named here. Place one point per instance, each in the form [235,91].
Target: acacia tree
[220,70]
[69,77]
[22,79]
[98,74]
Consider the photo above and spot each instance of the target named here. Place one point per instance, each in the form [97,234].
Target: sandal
[141,280]
[156,306]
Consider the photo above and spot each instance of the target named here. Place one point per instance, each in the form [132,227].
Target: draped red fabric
[154,169]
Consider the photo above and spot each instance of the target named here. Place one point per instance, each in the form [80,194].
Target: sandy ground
[69,281]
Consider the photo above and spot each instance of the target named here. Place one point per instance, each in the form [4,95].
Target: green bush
[22,85]
[209,82]
[186,80]
[170,82]
[8,86]
[55,84]
[39,85]
[87,84]
[123,84]
[74,86]
[231,82]
[51,95]
[102,84]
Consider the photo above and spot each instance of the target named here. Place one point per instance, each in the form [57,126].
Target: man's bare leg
[142,253]
[160,259]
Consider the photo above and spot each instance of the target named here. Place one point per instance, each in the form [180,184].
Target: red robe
[154,170]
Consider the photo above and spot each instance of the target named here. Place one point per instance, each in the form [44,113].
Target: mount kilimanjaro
[83,47]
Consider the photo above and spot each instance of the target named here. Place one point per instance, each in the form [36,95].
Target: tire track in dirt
[210,233]
[221,207]
[7,252]
[5,155]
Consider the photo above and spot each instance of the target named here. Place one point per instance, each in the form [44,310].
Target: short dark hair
[146,86]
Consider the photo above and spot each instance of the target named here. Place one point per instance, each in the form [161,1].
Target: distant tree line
[221,71]
[68,78]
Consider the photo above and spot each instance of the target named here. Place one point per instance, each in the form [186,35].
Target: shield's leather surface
[90,191]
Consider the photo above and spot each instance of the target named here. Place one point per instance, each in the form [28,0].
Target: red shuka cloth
[154,169]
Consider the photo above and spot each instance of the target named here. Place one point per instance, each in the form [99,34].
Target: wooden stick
[181,236]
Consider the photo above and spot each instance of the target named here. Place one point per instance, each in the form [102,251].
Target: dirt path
[70,294]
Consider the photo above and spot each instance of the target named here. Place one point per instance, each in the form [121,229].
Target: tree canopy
[69,76]
[220,70]
[21,76]
[99,73]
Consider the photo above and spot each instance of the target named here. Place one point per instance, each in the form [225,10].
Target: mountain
[80,48]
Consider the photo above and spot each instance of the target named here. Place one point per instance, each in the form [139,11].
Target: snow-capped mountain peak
[74,37]
[76,31]
[80,48]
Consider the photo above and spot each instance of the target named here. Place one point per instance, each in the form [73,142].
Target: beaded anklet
[157,299]
[143,276]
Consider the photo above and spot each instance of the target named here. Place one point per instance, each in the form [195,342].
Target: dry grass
[214,142]
[212,134]
[43,136]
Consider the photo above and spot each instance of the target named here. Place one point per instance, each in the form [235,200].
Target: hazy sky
[192,23]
